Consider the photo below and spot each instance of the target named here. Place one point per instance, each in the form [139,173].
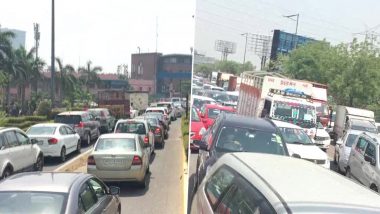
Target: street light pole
[245,48]
[290,17]
[139,49]
[52,54]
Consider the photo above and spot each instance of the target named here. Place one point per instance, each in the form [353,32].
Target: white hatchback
[299,143]
[55,139]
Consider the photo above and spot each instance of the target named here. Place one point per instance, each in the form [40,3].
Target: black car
[57,192]
[236,133]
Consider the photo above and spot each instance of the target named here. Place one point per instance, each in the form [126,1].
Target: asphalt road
[165,191]
[52,163]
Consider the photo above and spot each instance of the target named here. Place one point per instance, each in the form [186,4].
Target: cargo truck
[264,94]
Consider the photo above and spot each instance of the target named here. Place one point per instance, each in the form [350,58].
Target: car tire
[88,139]
[348,172]
[374,188]
[62,156]
[39,165]
[144,183]
[79,147]
[7,172]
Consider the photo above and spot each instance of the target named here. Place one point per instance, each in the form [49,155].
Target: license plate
[113,162]
[40,142]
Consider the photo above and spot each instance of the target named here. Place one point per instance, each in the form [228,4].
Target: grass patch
[185,134]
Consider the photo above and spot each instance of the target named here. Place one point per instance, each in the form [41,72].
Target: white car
[343,148]
[137,126]
[55,139]
[262,183]
[162,110]
[299,143]
[18,153]
[199,101]
[364,161]
[321,137]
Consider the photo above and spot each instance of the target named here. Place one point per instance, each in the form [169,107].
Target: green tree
[205,69]
[89,75]
[230,67]
[67,78]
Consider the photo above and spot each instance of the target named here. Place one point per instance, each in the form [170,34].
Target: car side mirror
[369,159]
[296,155]
[114,190]
[33,141]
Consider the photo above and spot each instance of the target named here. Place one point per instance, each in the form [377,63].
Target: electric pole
[37,37]
[245,48]
[290,17]
[52,93]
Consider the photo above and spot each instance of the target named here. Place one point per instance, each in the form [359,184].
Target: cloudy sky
[336,21]
[105,32]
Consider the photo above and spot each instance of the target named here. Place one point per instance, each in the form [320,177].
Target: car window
[351,139]
[41,130]
[87,198]
[116,144]
[243,198]
[3,142]
[22,138]
[360,146]
[68,119]
[370,151]
[62,131]
[133,127]
[69,130]
[11,138]
[218,184]
[98,188]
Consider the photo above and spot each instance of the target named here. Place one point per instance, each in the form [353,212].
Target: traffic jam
[264,143]
[120,153]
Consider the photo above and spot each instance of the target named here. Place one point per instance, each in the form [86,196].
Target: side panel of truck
[139,100]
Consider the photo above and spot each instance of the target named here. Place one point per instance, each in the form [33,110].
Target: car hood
[322,133]
[196,126]
[306,151]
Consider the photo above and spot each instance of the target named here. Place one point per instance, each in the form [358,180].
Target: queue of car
[262,165]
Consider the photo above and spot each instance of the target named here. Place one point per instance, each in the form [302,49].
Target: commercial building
[19,39]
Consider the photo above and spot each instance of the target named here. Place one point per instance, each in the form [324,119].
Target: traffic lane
[192,174]
[164,193]
[50,164]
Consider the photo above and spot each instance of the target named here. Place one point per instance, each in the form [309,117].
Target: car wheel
[7,172]
[63,154]
[144,183]
[88,139]
[39,165]
[348,172]
[374,188]
[79,146]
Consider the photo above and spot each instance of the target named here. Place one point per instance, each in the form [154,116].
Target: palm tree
[5,45]
[7,61]
[89,74]
[67,79]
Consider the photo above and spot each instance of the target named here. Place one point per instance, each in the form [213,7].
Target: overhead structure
[261,46]
[225,47]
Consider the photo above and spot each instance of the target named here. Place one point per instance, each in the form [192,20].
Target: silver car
[120,157]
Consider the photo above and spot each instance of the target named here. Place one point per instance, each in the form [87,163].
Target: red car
[210,112]
[197,130]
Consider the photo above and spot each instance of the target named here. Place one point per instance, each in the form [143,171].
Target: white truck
[139,102]
[214,77]
[353,118]
[265,94]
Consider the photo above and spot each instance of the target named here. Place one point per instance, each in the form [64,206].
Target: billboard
[284,42]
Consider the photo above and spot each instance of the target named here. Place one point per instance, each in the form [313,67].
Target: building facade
[144,67]
[19,39]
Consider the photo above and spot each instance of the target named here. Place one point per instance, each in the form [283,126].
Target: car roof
[216,106]
[202,98]
[235,120]
[73,113]
[374,136]
[41,181]
[49,125]
[302,184]
[283,124]
[118,135]
[134,120]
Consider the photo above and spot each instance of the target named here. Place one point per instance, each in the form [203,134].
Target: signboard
[278,83]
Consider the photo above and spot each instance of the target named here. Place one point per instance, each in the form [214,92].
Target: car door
[368,169]
[30,150]
[64,138]
[74,137]
[145,152]
[150,134]
[357,156]
[106,203]
[89,124]
[17,155]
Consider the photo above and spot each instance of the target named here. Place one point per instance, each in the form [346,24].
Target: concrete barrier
[72,165]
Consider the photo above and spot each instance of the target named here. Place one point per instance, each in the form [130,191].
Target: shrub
[44,108]
[54,112]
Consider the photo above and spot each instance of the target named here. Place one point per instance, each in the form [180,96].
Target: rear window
[164,105]
[68,119]
[117,144]
[156,110]
[41,130]
[152,121]
[213,113]
[131,127]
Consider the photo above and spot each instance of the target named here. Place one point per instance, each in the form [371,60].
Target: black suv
[236,133]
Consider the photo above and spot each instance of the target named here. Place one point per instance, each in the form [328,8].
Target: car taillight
[91,160]
[136,160]
[146,139]
[80,125]
[157,131]
[53,141]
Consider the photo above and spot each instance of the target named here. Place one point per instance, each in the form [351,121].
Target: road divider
[75,163]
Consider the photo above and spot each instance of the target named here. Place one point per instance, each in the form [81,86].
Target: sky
[336,21]
[105,32]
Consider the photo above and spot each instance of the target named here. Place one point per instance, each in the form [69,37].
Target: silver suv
[363,162]
[18,153]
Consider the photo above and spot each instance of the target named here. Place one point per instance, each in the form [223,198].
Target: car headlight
[202,131]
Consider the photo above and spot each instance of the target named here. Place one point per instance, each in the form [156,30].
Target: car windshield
[32,202]
[41,130]
[152,121]
[351,139]
[221,97]
[68,119]
[116,144]
[298,114]
[233,139]
[133,127]
[95,112]
[158,115]
[213,112]
[155,111]
[362,125]
[295,136]
[233,98]
[194,116]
